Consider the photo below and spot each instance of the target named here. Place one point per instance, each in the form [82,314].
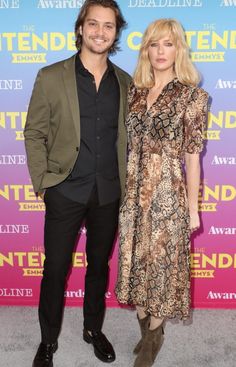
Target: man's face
[99,30]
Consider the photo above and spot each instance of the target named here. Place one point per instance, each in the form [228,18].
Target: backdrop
[34,33]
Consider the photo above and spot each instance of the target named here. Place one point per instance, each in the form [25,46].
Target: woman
[166,117]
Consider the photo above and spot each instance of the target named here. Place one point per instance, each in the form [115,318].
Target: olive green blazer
[52,130]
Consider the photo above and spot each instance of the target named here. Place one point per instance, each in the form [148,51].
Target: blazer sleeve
[36,132]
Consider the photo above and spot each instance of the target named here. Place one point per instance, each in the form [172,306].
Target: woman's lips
[161,60]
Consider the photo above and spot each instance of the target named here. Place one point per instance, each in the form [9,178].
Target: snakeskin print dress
[154,254]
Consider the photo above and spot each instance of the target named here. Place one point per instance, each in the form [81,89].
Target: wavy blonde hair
[184,68]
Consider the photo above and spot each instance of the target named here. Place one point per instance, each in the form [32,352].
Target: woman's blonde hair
[184,68]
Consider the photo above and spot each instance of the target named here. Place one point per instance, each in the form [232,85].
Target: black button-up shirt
[97,159]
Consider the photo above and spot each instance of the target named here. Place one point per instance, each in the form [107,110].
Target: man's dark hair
[120,21]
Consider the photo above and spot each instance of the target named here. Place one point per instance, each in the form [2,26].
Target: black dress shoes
[44,355]
[103,349]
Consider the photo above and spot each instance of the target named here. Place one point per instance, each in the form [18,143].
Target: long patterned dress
[154,255]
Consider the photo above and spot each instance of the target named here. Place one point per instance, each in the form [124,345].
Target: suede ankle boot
[143,323]
[151,345]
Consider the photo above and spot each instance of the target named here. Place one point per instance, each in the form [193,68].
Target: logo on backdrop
[16,292]
[31,47]
[31,263]
[22,194]
[227,3]
[14,121]
[9,4]
[60,4]
[228,231]
[79,293]
[12,159]
[221,295]
[219,121]
[225,84]
[223,161]
[211,196]
[11,84]
[14,228]
[204,266]
[165,3]
[208,45]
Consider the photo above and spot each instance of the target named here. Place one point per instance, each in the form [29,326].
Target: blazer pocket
[53,167]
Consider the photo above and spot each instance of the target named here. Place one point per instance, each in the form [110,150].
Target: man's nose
[100,29]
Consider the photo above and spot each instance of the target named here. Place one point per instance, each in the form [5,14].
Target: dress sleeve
[131,93]
[195,119]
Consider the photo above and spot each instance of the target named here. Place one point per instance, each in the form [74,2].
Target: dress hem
[175,315]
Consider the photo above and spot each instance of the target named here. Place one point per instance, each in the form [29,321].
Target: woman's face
[162,54]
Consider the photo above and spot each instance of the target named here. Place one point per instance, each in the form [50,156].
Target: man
[76,148]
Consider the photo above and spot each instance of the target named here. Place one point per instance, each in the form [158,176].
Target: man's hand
[41,194]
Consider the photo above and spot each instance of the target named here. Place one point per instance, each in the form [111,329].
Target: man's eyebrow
[95,20]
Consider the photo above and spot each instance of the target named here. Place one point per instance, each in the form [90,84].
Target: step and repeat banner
[35,33]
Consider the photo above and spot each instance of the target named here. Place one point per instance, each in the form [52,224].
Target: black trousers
[63,220]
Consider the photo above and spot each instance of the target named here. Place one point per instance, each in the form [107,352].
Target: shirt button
[98,155]
[98,137]
[98,118]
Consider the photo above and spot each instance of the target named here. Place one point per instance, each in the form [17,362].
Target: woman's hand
[194,221]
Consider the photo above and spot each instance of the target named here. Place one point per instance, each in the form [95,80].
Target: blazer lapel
[71,91]
[123,106]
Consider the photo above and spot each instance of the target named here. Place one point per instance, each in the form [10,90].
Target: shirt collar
[79,67]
